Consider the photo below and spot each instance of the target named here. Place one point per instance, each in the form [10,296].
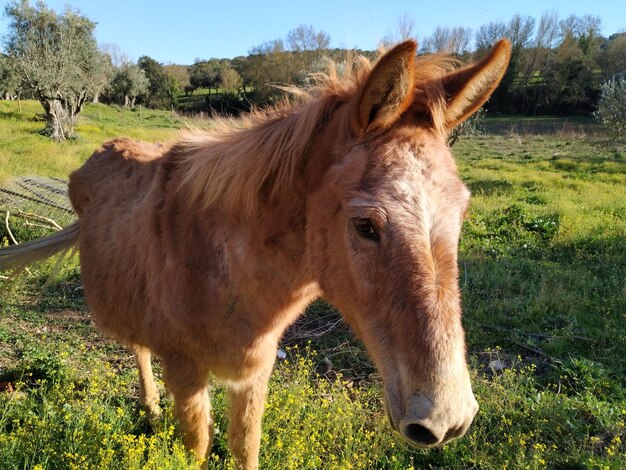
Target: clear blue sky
[180,31]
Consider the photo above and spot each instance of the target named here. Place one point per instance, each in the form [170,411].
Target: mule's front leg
[188,385]
[246,408]
[148,391]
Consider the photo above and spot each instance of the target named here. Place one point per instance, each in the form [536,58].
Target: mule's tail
[18,257]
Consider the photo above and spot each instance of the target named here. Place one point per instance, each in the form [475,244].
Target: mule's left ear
[468,88]
[387,91]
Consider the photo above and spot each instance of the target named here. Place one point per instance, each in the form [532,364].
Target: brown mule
[204,251]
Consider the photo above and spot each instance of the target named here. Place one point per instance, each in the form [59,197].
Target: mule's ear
[387,91]
[468,88]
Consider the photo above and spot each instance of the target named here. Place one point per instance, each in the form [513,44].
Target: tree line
[558,65]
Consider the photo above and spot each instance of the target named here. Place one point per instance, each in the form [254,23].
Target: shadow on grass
[17,116]
[585,167]
[489,187]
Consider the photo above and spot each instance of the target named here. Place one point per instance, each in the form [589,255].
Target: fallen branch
[40,218]
[47,227]
[6,223]
[532,349]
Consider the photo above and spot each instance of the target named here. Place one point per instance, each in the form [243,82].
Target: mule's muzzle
[425,426]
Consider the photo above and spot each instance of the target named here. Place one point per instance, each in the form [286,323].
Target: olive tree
[128,83]
[611,107]
[57,57]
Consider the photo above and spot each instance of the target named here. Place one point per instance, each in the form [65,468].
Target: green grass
[546,240]
[543,277]
[23,150]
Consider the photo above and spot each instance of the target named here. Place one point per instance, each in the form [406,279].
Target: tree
[241,66]
[267,63]
[269,47]
[117,56]
[57,57]
[173,90]
[611,107]
[568,85]
[9,81]
[591,27]
[569,82]
[585,30]
[279,62]
[129,82]
[519,30]
[205,74]
[537,60]
[305,38]
[230,80]
[614,57]
[449,40]
[404,31]
[158,94]
[102,79]
[547,30]
[488,34]
[406,26]
[180,73]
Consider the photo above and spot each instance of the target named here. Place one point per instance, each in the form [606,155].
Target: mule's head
[383,230]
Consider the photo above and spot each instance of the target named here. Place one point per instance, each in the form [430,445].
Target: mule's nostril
[419,434]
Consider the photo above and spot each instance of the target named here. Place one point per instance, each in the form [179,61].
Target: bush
[611,107]
[472,127]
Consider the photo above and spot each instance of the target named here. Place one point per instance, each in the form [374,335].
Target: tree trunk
[59,122]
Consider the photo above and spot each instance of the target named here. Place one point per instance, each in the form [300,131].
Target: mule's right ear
[387,91]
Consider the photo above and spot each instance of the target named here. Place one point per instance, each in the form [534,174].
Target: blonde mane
[239,159]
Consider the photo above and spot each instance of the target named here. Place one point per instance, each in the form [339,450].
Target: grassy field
[543,276]
[23,150]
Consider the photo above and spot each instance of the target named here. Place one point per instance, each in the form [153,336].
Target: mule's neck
[278,235]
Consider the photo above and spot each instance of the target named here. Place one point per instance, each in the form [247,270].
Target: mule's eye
[366,229]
